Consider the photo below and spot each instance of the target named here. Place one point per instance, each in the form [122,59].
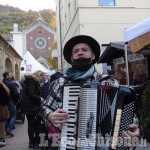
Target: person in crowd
[140,75]
[14,95]
[4,113]
[56,76]
[53,79]
[48,77]
[44,86]
[51,129]
[17,85]
[81,52]
[30,103]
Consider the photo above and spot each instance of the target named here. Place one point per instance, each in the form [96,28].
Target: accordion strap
[104,77]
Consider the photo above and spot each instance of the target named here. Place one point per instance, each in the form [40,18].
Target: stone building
[9,59]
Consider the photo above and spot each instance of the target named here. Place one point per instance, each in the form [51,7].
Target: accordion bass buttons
[116,129]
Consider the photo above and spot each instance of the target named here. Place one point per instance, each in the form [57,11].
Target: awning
[138,36]
[113,51]
[137,30]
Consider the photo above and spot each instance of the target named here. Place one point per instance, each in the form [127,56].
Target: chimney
[15,27]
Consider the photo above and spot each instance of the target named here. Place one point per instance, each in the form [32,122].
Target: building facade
[37,38]
[104,20]
[9,59]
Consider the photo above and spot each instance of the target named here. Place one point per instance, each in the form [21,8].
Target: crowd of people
[43,99]
[28,93]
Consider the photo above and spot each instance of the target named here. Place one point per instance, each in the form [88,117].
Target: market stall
[137,37]
[30,65]
[114,56]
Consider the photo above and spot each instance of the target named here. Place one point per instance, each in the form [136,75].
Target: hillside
[7,8]
[10,15]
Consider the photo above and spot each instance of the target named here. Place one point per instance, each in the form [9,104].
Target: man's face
[44,77]
[82,50]
[9,76]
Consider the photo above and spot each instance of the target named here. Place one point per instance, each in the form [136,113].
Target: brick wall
[30,41]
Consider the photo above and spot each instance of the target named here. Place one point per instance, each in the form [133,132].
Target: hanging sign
[28,68]
[135,57]
[118,60]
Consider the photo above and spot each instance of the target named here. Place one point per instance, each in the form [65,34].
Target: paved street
[20,140]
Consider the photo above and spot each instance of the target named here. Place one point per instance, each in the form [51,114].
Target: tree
[53,63]
[53,22]
[10,15]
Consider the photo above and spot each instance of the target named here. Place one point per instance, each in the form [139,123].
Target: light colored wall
[125,3]
[58,34]
[17,42]
[104,23]
[105,28]
[88,2]
[135,3]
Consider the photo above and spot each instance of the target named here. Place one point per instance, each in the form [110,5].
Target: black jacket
[14,95]
[31,94]
[4,98]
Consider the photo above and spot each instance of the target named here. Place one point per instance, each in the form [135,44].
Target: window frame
[106,5]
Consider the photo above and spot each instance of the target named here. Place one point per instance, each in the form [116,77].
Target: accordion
[98,113]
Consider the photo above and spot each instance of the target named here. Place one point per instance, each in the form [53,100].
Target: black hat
[94,45]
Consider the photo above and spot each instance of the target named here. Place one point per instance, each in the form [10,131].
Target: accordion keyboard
[70,104]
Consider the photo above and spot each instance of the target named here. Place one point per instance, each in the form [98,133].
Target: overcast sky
[35,5]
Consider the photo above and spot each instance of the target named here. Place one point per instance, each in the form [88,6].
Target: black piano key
[70,132]
[72,104]
[71,109]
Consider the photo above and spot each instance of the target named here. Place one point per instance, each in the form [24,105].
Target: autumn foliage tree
[10,15]
[53,22]
[53,62]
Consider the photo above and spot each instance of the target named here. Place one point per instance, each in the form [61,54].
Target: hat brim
[94,45]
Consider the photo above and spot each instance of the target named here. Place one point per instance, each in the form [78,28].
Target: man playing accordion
[81,52]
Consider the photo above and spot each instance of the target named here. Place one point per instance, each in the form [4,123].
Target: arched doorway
[17,74]
[8,65]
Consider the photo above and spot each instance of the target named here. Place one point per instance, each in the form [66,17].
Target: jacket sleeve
[15,94]
[31,91]
[52,102]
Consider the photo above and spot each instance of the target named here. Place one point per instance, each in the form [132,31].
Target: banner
[135,57]
[118,60]
[28,68]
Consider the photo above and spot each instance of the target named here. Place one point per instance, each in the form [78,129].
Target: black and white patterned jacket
[55,97]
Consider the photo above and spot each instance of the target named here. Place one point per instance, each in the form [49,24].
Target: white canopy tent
[30,65]
[137,30]
[137,36]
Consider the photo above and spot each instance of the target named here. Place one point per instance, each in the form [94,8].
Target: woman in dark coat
[4,113]
[31,101]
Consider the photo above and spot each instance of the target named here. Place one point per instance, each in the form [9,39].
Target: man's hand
[41,84]
[131,137]
[42,99]
[58,117]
